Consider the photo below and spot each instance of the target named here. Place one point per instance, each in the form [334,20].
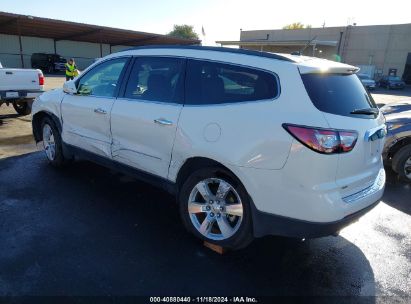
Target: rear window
[338,94]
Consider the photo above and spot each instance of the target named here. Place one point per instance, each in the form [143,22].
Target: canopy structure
[244,43]
[24,25]
[286,46]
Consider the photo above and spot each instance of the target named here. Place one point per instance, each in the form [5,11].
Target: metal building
[21,36]
[377,49]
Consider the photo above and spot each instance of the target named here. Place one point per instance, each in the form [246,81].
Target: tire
[229,210]
[22,107]
[401,163]
[52,143]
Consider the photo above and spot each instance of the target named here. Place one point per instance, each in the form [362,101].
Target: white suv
[251,143]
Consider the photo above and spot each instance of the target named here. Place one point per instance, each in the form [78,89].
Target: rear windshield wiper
[368,111]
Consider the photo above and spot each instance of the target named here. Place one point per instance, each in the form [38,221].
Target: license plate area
[12,94]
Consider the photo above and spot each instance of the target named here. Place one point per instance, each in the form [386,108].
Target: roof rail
[213,48]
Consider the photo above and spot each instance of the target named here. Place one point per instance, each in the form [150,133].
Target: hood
[396,107]
[398,116]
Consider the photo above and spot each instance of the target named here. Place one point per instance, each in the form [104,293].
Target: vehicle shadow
[6,116]
[397,193]
[86,230]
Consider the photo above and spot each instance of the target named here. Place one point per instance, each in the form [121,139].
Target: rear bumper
[269,224]
[394,86]
[20,94]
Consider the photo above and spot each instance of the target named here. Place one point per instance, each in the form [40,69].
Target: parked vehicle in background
[19,87]
[367,81]
[391,82]
[250,143]
[397,150]
[49,63]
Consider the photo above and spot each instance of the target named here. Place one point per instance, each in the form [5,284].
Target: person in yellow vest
[71,69]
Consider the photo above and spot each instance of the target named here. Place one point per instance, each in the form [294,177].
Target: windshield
[363,76]
[395,78]
[338,94]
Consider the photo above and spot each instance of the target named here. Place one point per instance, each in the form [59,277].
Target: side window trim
[277,78]
[126,77]
[131,63]
[120,78]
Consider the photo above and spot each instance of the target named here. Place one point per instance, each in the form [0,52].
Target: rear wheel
[22,107]
[52,143]
[401,163]
[215,207]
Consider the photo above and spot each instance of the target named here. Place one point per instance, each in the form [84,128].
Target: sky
[222,20]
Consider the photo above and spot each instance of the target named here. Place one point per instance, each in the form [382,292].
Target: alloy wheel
[215,209]
[48,142]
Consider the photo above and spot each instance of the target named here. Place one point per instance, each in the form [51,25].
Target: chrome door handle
[163,121]
[100,111]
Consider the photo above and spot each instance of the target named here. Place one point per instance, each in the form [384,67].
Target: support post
[101,44]
[55,47]
[20,44]
[339,44]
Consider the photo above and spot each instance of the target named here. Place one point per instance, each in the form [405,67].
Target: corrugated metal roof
[15,24]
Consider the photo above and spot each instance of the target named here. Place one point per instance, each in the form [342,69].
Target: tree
[184,31]
[296,26]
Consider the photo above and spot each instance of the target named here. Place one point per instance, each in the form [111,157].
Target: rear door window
[217,83]
[338,94]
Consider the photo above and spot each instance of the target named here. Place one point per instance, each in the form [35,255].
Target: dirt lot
[15,130]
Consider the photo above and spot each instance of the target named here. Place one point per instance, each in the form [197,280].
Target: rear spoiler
[326,66]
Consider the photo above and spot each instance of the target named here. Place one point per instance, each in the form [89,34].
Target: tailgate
[346,105]
[359,168]
[19,80]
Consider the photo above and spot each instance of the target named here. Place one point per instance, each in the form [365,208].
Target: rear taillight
[326,141]
[41,78]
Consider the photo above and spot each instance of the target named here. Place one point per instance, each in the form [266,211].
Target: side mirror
[69,87]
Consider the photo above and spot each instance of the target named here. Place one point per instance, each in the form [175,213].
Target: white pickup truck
[19,87]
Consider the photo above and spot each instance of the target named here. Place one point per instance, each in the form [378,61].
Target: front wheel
[215,207]
[52,143]
[401,163]
[22,107]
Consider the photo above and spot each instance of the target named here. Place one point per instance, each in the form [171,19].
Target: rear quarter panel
[248,134]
